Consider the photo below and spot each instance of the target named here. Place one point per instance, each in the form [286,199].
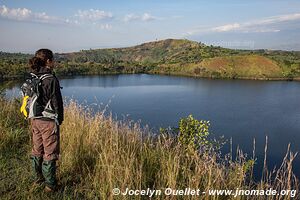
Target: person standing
[48,116]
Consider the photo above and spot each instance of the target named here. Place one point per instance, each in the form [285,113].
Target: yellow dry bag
[23,108]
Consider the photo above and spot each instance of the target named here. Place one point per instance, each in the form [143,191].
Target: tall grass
[99,154]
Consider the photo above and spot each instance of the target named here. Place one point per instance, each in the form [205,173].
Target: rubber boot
[36,163]
[49,173]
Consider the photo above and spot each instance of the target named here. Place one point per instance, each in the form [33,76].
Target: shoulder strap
[44,76]
[33,75]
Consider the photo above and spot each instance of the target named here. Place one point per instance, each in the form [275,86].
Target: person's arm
[56,99]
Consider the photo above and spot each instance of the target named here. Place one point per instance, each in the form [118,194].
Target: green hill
[172,56]
[163,51]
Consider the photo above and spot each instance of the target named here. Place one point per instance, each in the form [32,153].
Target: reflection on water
[240,109]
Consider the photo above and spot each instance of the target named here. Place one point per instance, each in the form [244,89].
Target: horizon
[88,49]
[71,26]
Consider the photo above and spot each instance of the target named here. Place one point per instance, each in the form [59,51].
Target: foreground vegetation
[99,154]
[177,57]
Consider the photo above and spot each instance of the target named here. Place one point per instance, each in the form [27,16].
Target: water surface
[238,109]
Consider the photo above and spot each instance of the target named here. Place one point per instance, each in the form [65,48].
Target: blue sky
[66,26]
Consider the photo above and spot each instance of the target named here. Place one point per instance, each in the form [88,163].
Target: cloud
[243,28]
[227,27]
[148,17]
[270,24]
[93,15]
[131,17]
[143,17]
[24,14]
[276,19]
[18,14]
[90,17]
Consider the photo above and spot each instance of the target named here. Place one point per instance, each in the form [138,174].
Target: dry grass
[244,66]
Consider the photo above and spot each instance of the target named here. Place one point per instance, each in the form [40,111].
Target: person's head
[43,58]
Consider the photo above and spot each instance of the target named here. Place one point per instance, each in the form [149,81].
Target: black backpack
[31,91]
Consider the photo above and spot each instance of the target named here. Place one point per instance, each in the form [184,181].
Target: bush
[194,133]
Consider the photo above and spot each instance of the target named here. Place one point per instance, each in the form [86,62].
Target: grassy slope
[243,66]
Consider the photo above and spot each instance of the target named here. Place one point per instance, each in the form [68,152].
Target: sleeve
[56,99]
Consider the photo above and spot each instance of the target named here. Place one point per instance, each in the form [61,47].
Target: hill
[178,57]
[163,51]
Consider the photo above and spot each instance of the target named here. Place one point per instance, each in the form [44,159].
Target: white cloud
[89,17]
[276,19]
[227,27]
[143,17]
[93,15]
[131,17]
[19,13]
[24,14]
[270,24]
[262,30]
[148,17]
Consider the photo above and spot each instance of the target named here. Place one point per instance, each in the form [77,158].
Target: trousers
[45,139]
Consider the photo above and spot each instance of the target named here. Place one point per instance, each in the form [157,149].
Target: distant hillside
[243,66]
[13,64]
[186,57]
[163,51]
[178,57]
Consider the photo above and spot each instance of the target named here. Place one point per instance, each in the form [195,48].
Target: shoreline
[21,77]
[224,78]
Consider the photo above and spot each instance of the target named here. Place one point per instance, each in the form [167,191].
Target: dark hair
[40,59]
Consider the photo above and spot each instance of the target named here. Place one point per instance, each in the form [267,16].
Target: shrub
[193,133]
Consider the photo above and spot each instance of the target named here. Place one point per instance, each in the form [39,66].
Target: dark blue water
[238,109]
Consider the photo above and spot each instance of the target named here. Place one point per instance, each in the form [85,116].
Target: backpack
[31,92]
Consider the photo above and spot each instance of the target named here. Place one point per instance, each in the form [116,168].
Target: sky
[73,25]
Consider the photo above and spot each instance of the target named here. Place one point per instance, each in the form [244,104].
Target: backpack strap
[45,76]
[33,75]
